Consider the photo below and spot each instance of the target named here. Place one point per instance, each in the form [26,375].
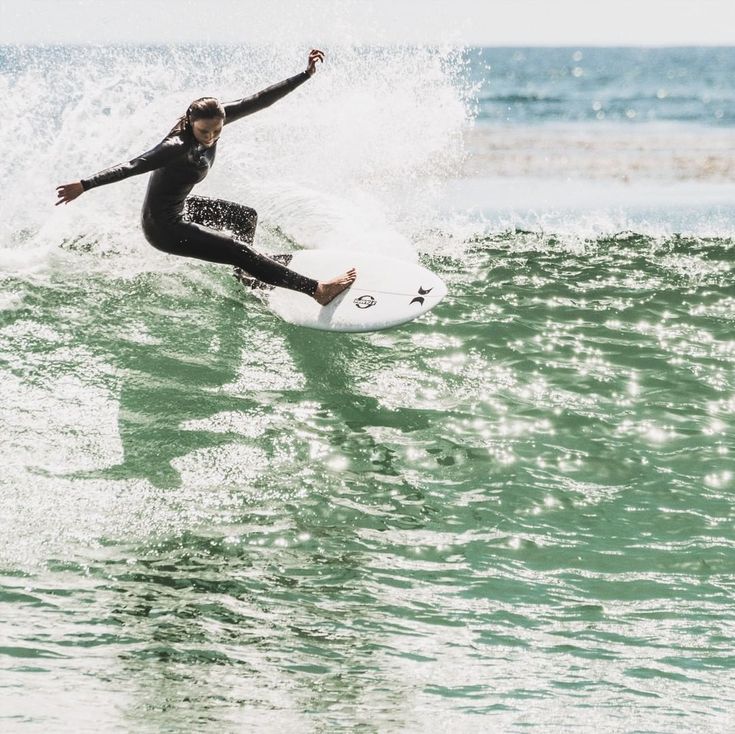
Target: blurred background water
[515,513]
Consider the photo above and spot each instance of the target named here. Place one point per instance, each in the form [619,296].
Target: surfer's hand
[69,192]
[314,55]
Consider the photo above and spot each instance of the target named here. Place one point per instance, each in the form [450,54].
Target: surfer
[187,225]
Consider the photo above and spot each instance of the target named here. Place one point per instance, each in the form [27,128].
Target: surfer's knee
[250,214]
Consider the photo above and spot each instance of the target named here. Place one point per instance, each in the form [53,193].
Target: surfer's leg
[220,214]
[269,271]
[193,240]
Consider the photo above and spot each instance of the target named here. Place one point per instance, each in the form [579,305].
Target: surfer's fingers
[65,194]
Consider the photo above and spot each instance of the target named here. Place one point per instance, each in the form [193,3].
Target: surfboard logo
[420,298]
[364,301]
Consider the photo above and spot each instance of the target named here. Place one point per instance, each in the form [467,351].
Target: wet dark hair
[204,108]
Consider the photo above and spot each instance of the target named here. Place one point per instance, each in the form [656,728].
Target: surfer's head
[205,118]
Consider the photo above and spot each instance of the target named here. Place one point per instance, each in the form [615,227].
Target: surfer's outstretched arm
[166,151]
[246,106]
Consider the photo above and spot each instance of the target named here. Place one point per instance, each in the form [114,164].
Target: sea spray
[338,163]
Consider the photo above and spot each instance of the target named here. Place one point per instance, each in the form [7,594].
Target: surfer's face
[207,131]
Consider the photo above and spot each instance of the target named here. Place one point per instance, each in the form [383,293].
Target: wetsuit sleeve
[166,151]
[248,105]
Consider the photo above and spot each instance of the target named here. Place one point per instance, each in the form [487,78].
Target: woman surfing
[187,225]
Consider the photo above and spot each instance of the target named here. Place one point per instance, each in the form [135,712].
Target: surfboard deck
[387,292]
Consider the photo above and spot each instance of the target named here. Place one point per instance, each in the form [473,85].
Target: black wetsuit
[180,225]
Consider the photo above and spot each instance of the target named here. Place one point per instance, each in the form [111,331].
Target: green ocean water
[513,514]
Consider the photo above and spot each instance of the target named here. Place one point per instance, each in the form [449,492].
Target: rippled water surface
[520,505]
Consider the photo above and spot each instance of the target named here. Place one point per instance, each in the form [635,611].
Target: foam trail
[327,221]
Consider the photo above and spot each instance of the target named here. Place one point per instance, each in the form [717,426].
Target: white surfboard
[387,292]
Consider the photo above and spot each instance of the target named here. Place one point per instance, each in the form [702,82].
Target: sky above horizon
[378,22]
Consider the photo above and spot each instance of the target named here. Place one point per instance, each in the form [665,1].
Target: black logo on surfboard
[420,299]
[364,301]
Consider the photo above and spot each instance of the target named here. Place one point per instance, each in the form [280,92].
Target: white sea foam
[352,159]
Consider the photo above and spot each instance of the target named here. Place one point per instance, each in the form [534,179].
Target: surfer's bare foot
[327,290]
